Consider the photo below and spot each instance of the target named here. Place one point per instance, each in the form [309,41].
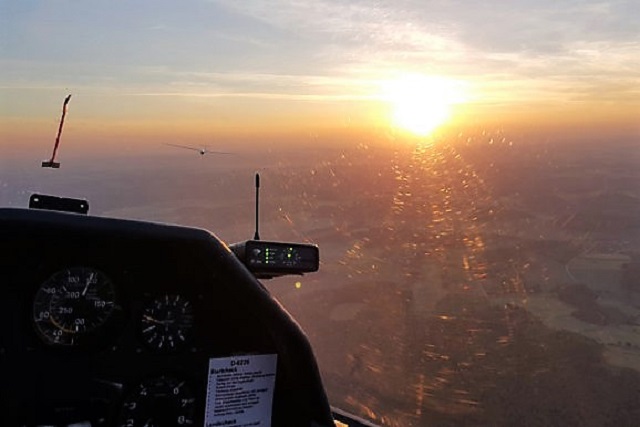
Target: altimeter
[167,322]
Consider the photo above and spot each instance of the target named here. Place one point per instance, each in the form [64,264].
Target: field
[461,283]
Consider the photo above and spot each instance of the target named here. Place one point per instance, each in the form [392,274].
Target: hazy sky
[207,66]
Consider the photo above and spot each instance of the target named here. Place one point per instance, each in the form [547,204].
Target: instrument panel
[79,307]
[149,330]
[116,323]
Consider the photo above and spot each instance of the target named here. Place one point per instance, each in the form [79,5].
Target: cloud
[323,49]
[455,37]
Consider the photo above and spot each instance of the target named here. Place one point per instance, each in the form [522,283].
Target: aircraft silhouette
[202,150]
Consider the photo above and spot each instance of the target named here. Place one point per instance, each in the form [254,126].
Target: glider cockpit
[110,322]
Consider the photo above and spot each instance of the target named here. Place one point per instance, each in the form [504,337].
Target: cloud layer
[299,49]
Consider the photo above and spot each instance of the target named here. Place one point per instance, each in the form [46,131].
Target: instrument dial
[72,304]
[158,402]
[167,323]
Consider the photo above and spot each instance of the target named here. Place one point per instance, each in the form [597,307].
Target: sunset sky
[207,69]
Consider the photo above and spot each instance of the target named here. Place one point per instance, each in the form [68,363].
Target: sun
[421,103]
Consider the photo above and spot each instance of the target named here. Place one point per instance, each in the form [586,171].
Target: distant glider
[51,163]
[202,150]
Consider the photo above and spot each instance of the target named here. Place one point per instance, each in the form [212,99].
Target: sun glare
[422,103]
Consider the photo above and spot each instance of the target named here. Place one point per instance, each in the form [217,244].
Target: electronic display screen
[282,257]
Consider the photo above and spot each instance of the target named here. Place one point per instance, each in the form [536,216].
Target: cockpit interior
[110,322]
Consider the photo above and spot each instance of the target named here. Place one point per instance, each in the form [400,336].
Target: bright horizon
[208,71]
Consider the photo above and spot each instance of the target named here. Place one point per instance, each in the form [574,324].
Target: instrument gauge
[167,323]
[160,401]
[72,304]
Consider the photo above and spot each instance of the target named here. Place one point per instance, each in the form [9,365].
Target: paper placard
[240,391]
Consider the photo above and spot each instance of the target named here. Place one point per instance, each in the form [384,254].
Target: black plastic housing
[267,259]
[233,313]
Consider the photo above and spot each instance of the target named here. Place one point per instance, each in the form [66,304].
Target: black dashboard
[109,322]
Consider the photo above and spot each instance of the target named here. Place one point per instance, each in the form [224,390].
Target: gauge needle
[86,286]
[149,318]
[153,320]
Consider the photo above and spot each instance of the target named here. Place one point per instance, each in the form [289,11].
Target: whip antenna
[257,235]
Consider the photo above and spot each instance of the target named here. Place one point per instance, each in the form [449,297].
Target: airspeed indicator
[71,304]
